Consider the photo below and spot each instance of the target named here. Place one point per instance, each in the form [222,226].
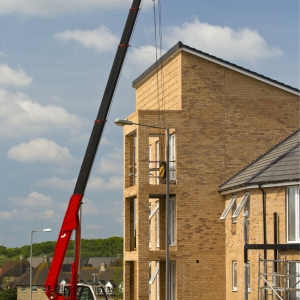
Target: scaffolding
[278,279]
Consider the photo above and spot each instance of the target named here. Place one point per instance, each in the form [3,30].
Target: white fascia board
[248,187]
[242,71]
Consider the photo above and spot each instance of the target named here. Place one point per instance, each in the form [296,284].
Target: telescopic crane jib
[71,220]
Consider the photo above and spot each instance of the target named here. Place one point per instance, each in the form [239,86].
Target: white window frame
[228,207]
[134,161]
[157,286]
[241,205]
[172,219]
[157,224]
[23,288]
[247,207]
[157,149]
[248,275]
[150,158]
[155,212]
[234,272]
[172,156]
[34,289]
[296,214]
[150,229]
[233,219]
[154,274]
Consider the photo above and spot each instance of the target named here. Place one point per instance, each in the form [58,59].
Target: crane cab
[87,292]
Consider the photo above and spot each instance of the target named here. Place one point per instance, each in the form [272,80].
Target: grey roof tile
[280,163]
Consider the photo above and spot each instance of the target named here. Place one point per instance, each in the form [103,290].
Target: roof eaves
[263,184]
[157,63]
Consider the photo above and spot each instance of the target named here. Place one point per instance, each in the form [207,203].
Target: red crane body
[71,220]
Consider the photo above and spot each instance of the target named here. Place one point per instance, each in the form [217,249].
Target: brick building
[221,117]
[262,226]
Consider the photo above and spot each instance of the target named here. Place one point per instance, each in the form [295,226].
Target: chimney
[103,267]
[46,258]
[21,257]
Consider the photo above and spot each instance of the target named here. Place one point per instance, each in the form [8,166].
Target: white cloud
[140,59]
[10,77]
[111,163]
[89,208]
[20,116]
[99,183]
[40,150]
[56,7]
[33,200]
[49,215]
[56,183]
[100,39]
[5,215]
[244,44]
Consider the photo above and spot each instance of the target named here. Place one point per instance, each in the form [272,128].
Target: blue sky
[55,57]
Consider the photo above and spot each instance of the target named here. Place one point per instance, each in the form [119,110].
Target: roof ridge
[261,156]
[181,45]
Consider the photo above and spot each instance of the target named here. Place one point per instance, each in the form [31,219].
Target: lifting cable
[159,73]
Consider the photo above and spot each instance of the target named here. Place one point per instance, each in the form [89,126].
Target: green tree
[9,294]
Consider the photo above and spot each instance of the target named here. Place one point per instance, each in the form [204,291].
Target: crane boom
[71,220]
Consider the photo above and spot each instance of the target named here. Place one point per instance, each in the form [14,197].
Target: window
[153,276]
[157,224]
[293,214]
[248,275]
[241,205]
[154,212]
[232,212]
[247,208]
[157,285]
[84,293]
[234,275]
[157,146]
[172,153]
[34,288]
[172,222]
[231,204]
[150,159]
[133,167]
[150,231]
[23,288]
[154,281]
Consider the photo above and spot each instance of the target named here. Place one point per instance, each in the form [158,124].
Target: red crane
[71,220]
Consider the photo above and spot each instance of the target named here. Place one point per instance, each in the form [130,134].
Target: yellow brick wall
[275,202]
[223,120]
[161,90]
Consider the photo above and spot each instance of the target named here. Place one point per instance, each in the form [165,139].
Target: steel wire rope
[117,83]
[159,69]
